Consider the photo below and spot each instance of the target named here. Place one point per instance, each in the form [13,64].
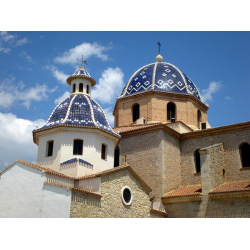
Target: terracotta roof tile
[184,191]
[135,127]
[234,186]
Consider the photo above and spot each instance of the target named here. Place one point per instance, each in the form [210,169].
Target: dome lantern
[81,82]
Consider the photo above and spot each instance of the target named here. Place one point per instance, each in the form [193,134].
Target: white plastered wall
[23,194]
[77,82]
[63,151]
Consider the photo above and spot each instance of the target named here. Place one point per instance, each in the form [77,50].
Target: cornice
[229,195]
[190,135]
[68,128]
[179,199]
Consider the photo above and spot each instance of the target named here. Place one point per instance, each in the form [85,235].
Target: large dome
[161,76]
[78,111]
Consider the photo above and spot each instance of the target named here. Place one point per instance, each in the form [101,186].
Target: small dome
[161,76]
[79,111]
[81,73]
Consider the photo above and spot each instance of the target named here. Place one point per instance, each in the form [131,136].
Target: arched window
[104,152]
[74,88]
[198,118]
[136,112]
[197,161]
[116,121]
[77,147]
[117,156]
[87,89]
[170,110]
[50,145]
[245,155]
[80,87]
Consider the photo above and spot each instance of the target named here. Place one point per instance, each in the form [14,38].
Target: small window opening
[136,112]
[197,161]
[245,155]
[103,154]
[80,87]
[198,118]
[127,195]
[116,121]
[74,88]
[77,147]
[87,89]
[170,111]
[50,148]
[117,156]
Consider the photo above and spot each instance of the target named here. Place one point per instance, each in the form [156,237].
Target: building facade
[162,158]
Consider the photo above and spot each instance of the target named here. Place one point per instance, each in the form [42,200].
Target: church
[162,159]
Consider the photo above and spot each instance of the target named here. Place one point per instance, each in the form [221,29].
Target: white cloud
[110,85]
[11,92]
[21,42]
[24,54]
[16,139]
[229,98]
[85,49]
[212,89]
[109,114]
[61,98]
[59,75]
[10,41]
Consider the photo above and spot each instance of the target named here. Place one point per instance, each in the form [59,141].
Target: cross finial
[82,61]
[159,44]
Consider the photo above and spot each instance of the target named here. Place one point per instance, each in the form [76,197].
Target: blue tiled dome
[160,76]
[78,110]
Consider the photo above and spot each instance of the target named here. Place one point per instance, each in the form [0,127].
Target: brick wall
[153,107]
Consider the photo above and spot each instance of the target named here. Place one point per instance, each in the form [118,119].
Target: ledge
[246,168]
[229,195]
[158,212]
[180,199]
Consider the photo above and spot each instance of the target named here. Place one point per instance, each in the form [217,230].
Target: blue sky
[35,65]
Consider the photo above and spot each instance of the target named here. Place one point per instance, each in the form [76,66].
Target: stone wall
[232,161]
[223,208]
[110,205]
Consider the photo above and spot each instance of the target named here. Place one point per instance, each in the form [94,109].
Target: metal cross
[82,61]
[159,46]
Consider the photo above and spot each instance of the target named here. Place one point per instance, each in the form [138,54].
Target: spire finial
[159,45]
[82,61]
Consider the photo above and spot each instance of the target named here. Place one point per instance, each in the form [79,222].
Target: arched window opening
[198,118]
[80,87]
[170,111]
[87,89]
[74,88]
[104,152]
[117,157]
[116,121]
[77,147]
[50,145]
[136,112]
[245,155]
[197,161]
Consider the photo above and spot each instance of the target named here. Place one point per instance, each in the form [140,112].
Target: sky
[34,67]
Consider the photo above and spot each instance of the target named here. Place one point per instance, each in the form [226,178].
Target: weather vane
[159,44]
[82,61]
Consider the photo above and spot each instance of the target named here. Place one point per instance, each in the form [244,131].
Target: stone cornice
[190,135]
[158,212]
[179,199]
[229,195]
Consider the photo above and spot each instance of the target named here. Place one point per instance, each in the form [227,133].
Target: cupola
[77,138]
[81,82]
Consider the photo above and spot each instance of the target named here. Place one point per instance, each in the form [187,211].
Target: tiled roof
[235,186]
[135,127]
[79,111]
[161,77]
[184,191]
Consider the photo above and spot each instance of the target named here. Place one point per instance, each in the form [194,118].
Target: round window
[127,195]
